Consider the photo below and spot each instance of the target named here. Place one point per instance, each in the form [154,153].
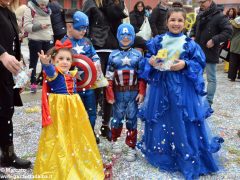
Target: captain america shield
[87,73]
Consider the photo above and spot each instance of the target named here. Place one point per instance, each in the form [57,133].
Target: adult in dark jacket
[211,29]
[57,20]
[137,16]
[234,63]
[158,18]
[104,17]
[9,97]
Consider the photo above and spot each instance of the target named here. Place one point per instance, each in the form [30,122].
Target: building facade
[67,4]
[130,3]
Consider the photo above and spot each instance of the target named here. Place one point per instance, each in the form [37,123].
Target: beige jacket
[33,26]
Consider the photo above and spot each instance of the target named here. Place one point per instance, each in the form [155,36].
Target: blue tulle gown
[175,109]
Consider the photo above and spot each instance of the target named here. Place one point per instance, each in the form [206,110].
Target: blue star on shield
[80,74]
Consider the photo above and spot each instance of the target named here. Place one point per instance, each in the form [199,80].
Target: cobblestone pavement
[225,122]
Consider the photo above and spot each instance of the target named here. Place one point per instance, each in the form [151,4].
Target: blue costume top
[83,46]
[58,82]
[125,71]
[125,67]
[175,137]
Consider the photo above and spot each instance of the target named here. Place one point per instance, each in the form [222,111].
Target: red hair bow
[59,45]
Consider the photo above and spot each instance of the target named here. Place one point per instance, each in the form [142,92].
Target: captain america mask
[82,28]
[80,21]
[125,32]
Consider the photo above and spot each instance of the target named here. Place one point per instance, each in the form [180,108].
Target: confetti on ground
[225,121]
[34,109]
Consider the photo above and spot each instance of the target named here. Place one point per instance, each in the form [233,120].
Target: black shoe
[97,138]
[100,112]
[238,133]
[232,80]
[39,80]
[3,176]
[106,132]
[10,159]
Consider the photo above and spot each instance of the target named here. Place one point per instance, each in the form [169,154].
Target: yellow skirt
[67,148]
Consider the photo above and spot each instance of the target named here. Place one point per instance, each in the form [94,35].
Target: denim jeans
[89,101]
[211,81]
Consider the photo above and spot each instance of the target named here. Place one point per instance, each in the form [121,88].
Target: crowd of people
[158,79]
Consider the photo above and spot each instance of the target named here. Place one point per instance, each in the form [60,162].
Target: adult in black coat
[137,16]
[158,18]
[211,28]
[9,97]
[104,17]
[57,20]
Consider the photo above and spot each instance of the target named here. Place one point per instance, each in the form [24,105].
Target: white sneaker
[116,148]
[131,155]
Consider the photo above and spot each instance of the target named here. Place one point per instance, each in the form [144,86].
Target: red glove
[109,91]
[142,87]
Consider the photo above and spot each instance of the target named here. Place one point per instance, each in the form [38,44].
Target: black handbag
[99,34]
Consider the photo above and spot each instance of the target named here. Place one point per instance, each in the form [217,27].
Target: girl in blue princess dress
[175,136]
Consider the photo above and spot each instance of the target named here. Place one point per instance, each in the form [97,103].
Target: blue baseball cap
[80,21]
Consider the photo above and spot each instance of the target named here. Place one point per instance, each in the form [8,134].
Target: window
[61,2]
[74,3]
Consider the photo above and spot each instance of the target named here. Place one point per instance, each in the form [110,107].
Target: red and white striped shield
[87,73]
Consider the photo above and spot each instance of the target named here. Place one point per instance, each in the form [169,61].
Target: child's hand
[111,101]
[21,90]
[139,98]
[45,26]
[152,61]
[99,70]
[45,59]
[179,64]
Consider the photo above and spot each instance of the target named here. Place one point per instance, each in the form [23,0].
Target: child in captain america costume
[67,147]
[76,31]
[126,89]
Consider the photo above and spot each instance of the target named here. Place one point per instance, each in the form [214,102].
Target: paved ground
[225,122]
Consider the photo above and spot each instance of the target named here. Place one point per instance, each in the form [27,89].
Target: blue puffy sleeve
[141,67]
[153,45]
[50,71]
[195,61]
